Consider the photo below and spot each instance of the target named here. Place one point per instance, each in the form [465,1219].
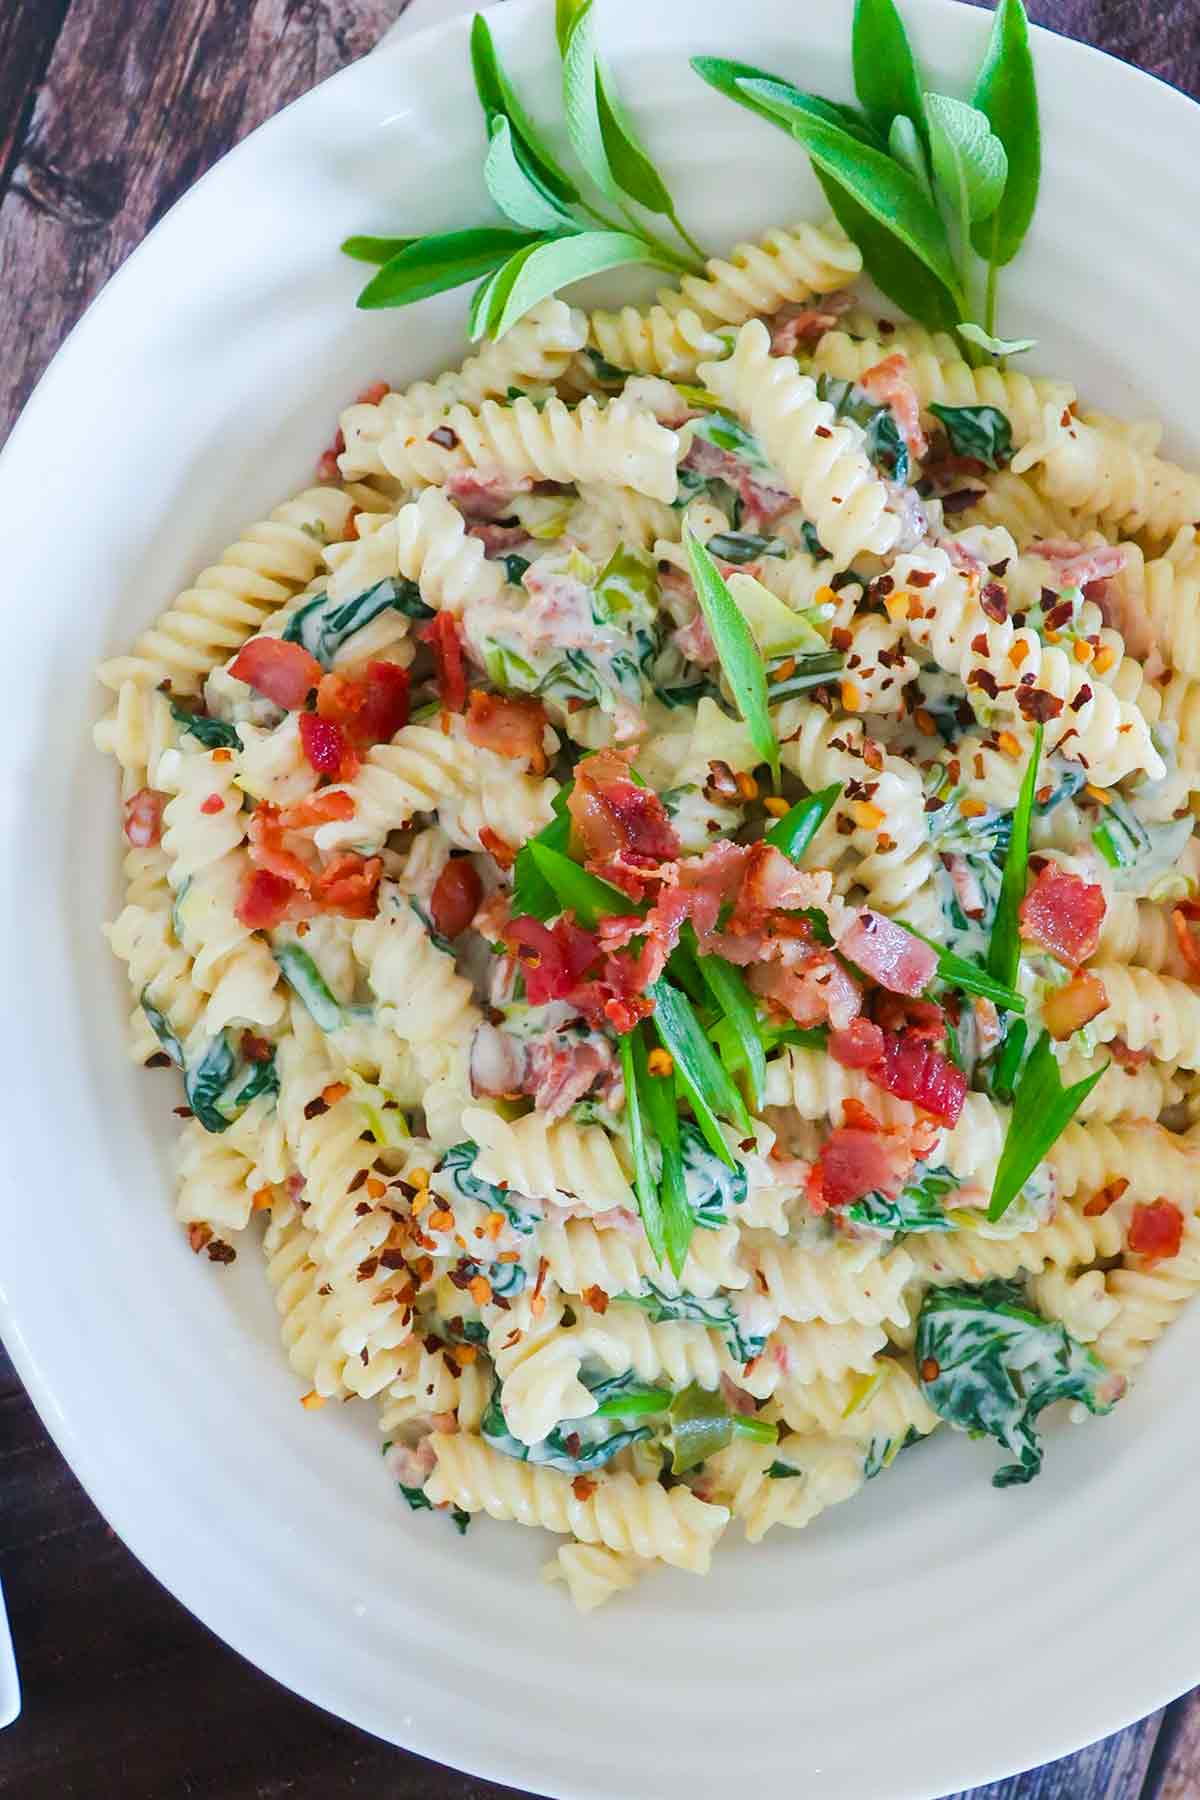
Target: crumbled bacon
[143,817]
[889,383]
[1156,1231]
[623,828]
[694,641]
[511,727]
[762,504]
[1124,1057]
[283,672]
[349,886]
[443,637]
[816,991]
[369,708]
[485,496]
[888,954]
[1067,1009]
[856,1160]
[553,958]
[912,1070]
[562,1071]
[859,1046]
[1076,566]
[264,899]
[455,897]
[1063,913]
[795,325]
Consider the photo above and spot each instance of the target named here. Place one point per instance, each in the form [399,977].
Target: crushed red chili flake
[160,1060]
[840,638]
[980,645]
[930,1369]
[221,1252]
[583,1487]
[183,1112]
[823,431]
[1106,1197]
[983,678]
[596,1298]
[994,601]
[445,437]
[1037,705]
[1081,699]
[199,1236]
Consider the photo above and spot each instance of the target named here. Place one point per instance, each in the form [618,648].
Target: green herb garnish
[214,734]
[699,1075]
[632,1048]
[988,1364]
[1042,1110]
[796,830]
[736,650]
[982,432]
[727,985]
[578,891]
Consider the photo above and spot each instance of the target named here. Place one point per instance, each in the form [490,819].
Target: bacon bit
[1106,656]
[255,1049]
[554,959]
[348,886]
[859,1046]
[442,636]
[854,1160]
[264,899]
[660,1062]
[199,1236]
[866,815]
[312,1401]
[890,384]
[283,672]
[1063,913]
[596,1298]
[1068,1008]
[143,817]
[367,710]
[1106,1197]
[888,954]
[583,1487]
[624,829]
[455,899]
[510,727]
[852,697]
[1156,1231]
[776,805]
[913,1071]
[993,602]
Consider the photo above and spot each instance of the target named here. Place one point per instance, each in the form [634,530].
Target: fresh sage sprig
[919,179]
[560,235]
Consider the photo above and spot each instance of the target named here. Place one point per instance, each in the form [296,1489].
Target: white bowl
[934,1634]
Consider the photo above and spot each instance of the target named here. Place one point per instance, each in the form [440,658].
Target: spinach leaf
[515,567]
[416,1497]
[161,1027]
[574,1447]
[714,1190]
[983,432]
[205,1082]
[896,270]
[988,1364]
[263,1078]
[918,1206]
[306,980]
[458,1164]
[1042,1110]
[720,1313]
[744,546]
[885,444]
[323,625]
[214,734]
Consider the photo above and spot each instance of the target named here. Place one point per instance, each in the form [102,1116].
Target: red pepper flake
[1106,1197]
[316,1107]
[160,1060]
[930,1369]
[1155,1231]
[583,1487]
[823,431]
[1081,699]
[199,1236]
[980,645]
[596,1298]
[444,437]
[221,1252]
[1037,705]
[983,678]
[255,1049]
[994,601]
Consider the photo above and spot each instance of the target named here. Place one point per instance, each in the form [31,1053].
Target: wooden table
[109,110]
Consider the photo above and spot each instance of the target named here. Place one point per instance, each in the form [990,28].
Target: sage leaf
[444,260]
[884,190]
[736,650]
[776,99]
[375,249]
[497,96]
[632,169]
[580,106]
[969,161]
[885,73]
[481,303]
[548,266]
[995,346]
[904,277]
[1006,93]
[515,189]
[905,145]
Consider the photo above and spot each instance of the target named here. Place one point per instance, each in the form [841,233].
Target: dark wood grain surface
[109,109]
